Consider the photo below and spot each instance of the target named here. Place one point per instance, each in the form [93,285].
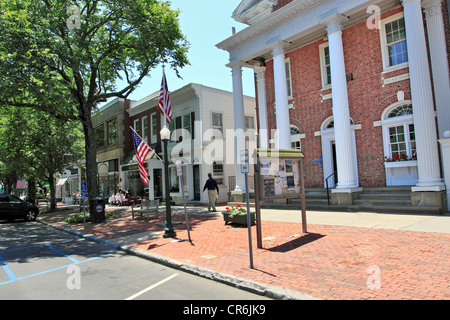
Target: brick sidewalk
[330,262]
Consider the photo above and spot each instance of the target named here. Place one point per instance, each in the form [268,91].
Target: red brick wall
[367,100]
[129,146]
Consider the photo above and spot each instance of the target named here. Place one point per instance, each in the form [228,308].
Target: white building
[202,138]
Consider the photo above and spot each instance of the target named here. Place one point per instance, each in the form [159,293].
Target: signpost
[180,175]
[245,169]
[83,197]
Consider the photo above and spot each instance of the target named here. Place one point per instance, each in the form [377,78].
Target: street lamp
[169,232]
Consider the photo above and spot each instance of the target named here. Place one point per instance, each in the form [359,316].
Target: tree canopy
[64,57]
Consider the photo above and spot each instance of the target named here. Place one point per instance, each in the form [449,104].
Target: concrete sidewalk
[344,255]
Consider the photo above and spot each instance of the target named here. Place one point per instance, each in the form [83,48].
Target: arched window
[398,133]
[330,124]
[402,110]
[295,138]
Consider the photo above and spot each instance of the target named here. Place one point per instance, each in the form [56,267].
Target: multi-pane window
[136,126]
[396,42]
[402,110]
[112,131]
[249,123]
[218,172]
[295,138]
[182,127]
[217,121]
[99,133]
[287,65]
[412,139]
[153,128]
[325,64]
[401,142]
[187,124]
[397,140]
[145,129]
[394,48]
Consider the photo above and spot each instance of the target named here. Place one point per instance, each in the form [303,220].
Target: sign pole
[245,170]
[180,175]
[83,197]
[249,222]
[84,214]
[257,180]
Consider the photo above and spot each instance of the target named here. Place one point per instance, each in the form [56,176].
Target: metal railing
[326,182]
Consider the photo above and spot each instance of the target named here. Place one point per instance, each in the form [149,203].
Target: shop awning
[61,181]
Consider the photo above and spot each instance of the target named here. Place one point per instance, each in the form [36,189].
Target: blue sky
[205,23]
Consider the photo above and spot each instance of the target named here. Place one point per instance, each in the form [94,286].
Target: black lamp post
[169,232]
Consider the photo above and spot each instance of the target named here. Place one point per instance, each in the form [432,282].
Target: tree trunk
[91,153]
[32,189]
[51,182]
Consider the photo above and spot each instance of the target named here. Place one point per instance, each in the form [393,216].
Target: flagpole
[164,100]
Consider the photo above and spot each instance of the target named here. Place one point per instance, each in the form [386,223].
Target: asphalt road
[40,262]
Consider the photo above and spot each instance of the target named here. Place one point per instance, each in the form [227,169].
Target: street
[40,262]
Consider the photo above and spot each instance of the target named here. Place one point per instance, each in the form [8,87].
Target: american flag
[164,100]
[142,150]
[143,173]
[21,184]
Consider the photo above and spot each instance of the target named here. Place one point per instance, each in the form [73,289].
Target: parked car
[12,207]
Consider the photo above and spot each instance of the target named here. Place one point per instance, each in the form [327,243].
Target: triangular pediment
[250,11]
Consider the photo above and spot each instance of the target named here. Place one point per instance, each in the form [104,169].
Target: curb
[272,292]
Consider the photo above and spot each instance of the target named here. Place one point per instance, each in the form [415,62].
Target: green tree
[38,146]
[64,57]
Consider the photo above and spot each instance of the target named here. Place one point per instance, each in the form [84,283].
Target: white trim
[323,70]
[136,121]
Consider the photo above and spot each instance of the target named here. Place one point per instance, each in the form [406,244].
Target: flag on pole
[142,149]
[164,100]
[21,184]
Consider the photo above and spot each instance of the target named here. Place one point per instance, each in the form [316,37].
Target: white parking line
[152,287]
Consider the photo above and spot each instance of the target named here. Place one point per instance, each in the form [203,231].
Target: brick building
[357,85]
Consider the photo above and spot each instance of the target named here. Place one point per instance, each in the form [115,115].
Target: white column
[281,96]
[445,145]
[439,63]
[239,122]
[262,107]
[429,176]
[341,112]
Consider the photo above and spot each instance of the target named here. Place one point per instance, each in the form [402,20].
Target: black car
[12,207]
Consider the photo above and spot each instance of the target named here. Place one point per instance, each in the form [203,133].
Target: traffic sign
[245,168]
[83,190]
[179,171]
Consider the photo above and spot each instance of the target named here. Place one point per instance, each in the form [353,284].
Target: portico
[273,35]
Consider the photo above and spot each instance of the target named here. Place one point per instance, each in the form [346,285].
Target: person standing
[211,185]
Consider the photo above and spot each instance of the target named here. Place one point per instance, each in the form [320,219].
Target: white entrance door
[329,153]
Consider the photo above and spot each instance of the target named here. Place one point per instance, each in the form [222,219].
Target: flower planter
[238,218]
